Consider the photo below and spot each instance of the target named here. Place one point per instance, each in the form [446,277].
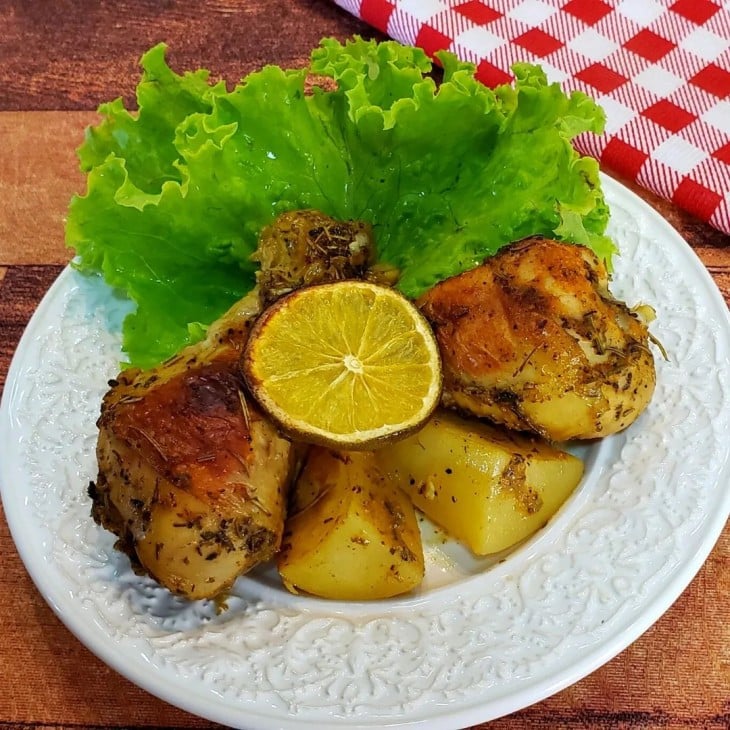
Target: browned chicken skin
[533,339]
[192,477]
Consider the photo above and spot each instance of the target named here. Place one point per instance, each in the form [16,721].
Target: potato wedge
[487,487]
[353,536]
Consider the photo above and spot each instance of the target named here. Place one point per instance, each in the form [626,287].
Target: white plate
[481,639]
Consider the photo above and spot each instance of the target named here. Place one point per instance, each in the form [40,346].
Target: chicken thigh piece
[534,340]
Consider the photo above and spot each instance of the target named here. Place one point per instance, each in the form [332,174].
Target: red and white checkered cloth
[659,68]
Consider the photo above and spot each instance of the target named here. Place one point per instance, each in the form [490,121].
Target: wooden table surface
[58,61]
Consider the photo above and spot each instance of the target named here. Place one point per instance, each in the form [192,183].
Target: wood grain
[60,60]
[74,55]
[38,174]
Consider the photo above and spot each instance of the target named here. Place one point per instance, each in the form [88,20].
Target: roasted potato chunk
[351,534]
[487,487]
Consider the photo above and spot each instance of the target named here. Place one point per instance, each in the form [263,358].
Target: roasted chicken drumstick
[192,477]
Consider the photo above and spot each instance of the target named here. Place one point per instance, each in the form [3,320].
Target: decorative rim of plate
[609,565]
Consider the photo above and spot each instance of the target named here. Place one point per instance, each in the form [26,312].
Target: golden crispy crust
[533,339]
[192,477]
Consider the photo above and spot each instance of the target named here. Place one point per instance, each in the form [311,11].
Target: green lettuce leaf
[178,191]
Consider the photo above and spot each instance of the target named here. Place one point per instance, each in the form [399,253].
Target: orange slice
[349,364]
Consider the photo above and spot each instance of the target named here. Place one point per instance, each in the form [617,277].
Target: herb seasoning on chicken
[305,247]
[533,339]
[192,477]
